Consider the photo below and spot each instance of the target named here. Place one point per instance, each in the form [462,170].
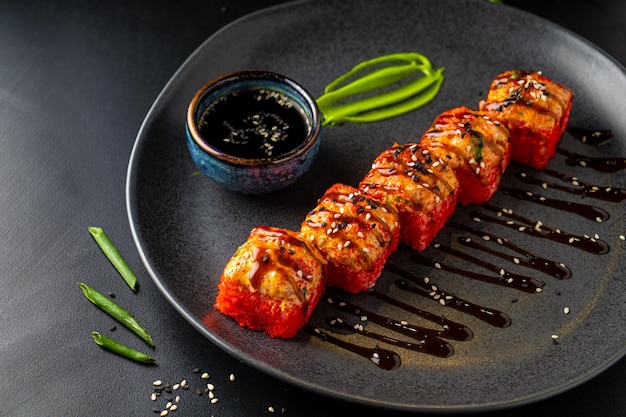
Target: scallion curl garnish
[380,88]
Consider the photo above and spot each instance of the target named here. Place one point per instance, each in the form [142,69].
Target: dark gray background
[76,81]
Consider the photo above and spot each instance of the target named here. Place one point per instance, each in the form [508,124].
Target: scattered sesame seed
[157,383]
[153,397]
[270,409]
[213,400]
[174,407]
[204,376]
[163,413]
[231,377]
[566,310]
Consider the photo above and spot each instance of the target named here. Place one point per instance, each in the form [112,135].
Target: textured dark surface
[76,82]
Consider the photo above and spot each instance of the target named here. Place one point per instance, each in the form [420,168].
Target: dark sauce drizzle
[582,189]
[412,283]
[528,259]
[590,137]
[610,165]
[418,346]
[428,341]
[383,358]
[584,210]
[504,278]
[537,229]
[593,138]
[451,329]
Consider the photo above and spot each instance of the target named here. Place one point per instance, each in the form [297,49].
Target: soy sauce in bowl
[254,123]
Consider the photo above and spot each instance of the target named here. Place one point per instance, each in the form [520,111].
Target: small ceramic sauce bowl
[253,132]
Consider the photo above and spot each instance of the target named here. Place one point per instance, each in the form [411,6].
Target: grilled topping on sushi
[420,187]
[275,279]
[534,108]
[477,148]
[355,233]
[272,282]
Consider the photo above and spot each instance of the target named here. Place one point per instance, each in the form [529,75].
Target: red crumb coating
[476,146]
[273,282]
[534,109]
[421,188]
[355,233]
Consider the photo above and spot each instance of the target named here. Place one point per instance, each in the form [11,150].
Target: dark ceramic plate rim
[159,114]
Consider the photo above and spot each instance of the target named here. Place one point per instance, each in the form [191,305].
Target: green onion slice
[114,256]
[121,349]
[116,311]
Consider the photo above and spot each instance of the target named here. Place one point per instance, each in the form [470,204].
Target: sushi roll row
[274,280]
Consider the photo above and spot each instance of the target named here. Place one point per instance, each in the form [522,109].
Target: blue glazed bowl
[237,145]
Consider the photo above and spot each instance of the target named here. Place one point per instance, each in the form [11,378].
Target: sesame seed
[204,376]
[153,397]
[174,407]
[163,413]
[622,237]
[270,409]
[231,377]
[566,310]
[175,387]
[157,383]
[213,400]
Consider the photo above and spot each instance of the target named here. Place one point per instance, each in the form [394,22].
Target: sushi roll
[421,188]
[475,146]
[534,108]
[273,282]
[355,233]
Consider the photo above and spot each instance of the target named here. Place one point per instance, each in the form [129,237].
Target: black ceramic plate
[186,228]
